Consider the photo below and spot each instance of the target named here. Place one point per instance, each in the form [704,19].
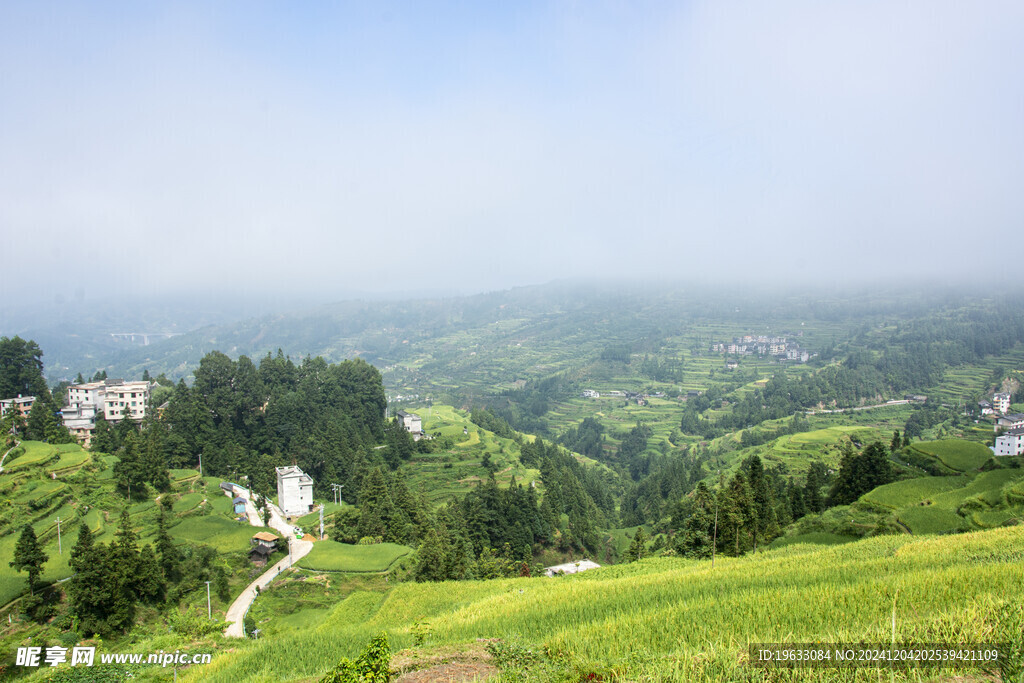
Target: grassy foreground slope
[676,619]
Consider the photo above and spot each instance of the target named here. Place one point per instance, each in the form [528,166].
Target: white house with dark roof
[1010,443]
[1011,421]
[294,491]
[411,422]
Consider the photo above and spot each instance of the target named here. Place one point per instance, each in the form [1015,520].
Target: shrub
[372,666]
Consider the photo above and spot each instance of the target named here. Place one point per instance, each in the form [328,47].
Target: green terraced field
[33,453]
[956,454]
[69,461]
[932,519]
[457,471]
[912,491]
[38,490]
[342,557]
[225,535]
[181,475]
[954,503]
[312,520]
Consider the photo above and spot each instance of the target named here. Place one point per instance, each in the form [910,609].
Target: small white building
[411,422]
[1001,402]
[294,491]
[590,393]
[571,567]
[1010,443]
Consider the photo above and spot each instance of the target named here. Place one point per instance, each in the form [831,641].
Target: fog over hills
[92,336]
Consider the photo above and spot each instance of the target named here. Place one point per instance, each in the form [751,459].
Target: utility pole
[60,550]
[209,610]
[321,521]
[200,465]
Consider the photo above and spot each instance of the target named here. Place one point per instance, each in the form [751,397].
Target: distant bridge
[144,337]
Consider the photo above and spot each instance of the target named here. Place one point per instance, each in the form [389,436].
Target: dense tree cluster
[21,369]
[326,418]
[493,531]
[669,479]
[110,581]
[746,512]
[586,438]
[21,374]
[860,472]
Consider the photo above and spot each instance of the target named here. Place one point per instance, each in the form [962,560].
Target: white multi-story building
[1001,402]
[126,399]
[1010,443]
[90,393]
[80,420]
[294,491]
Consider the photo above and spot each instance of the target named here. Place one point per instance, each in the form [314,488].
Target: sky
[321,149]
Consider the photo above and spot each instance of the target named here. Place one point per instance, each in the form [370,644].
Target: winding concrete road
[297,549]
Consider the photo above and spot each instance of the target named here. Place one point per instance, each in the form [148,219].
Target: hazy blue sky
[331,147]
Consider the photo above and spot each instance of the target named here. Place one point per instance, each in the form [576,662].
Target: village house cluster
[1009,427]
[639,397]
[114,399]
[781,348]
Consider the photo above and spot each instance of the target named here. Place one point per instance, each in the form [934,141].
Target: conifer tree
[91,587]
[896,442]
[41,422]
[29,557]
[432,564]
[170,558]
[694,537]
[637,549]
[123,557]
[797,507]
[152,461]
[812,490]
[738,514]
[765,524]
[129,470]
[149,584]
